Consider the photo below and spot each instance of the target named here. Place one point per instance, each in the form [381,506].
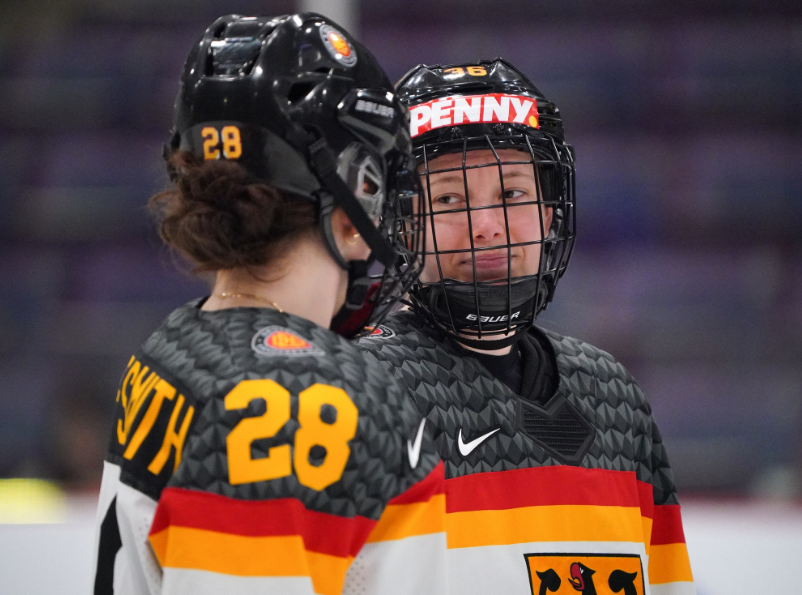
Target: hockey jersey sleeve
[152,417]
[669,563]
[320,493]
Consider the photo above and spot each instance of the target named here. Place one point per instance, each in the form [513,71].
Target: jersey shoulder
[608,393]
[266,387]
[586,369]
[406,336]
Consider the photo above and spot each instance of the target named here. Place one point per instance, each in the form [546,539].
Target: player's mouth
[489,266]
[489,261]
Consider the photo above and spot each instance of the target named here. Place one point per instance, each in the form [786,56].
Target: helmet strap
[324,165]
[324,221]
[357,309]
[350,318]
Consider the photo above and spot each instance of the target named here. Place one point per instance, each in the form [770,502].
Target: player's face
[485,222]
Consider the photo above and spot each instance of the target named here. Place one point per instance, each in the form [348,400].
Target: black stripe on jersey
[108,546]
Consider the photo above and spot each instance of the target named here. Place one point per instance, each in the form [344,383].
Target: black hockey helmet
[306,108]
[491,106]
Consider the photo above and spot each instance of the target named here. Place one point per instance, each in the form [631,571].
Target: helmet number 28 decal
[314,403]
[230,139]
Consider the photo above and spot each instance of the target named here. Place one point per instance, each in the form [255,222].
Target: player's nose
[487,223]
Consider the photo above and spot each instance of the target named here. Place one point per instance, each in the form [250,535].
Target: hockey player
[253,449]
[556,476]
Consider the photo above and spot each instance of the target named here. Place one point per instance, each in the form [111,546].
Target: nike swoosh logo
[413,450]
[467,448]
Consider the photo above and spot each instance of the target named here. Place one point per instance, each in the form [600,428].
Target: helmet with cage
[498,177]
[302,106]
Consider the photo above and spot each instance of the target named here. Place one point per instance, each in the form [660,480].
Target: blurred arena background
[686,119]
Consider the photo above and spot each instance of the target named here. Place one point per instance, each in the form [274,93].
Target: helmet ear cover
[302,106]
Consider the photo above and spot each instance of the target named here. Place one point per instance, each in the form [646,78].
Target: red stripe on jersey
[422,491]
[541,486]
[667,526]
[321,532]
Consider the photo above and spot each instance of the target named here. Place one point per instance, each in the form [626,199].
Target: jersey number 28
[313,431]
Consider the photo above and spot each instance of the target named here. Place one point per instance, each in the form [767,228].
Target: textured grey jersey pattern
[206,354]
[597,404]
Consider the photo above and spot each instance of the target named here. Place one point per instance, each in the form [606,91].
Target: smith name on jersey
[255,452]
[559,493]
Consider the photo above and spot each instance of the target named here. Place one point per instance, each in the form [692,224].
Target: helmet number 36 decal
[460,71]
[327,420]
[227,140]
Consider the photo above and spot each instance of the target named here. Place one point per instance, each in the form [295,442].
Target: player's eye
[446,200]
[514,194]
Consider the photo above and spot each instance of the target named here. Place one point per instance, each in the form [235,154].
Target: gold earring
[352,240]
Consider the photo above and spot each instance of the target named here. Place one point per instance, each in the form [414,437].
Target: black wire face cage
[476,285]
[407,233]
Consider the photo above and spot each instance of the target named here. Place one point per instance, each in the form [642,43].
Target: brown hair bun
[219,216]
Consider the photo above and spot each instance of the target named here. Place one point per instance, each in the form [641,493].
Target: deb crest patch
[379,332]
[338,46]
[277,340]
[605,574]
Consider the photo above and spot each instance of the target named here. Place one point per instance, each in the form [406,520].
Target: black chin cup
[483,309]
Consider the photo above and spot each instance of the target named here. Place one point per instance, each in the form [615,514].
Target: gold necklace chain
[251,296]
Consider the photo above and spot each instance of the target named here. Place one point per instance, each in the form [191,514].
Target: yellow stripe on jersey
[249,556]
[669,563]
[407,520]
[328,572]
[544,523]
[647,531]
